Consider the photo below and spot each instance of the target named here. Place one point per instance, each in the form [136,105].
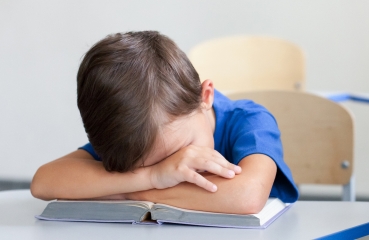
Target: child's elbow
[250,204]
[38,187]
[36,191]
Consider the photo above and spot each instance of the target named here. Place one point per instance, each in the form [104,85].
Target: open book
[142,212]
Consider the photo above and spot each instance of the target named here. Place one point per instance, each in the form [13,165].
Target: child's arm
[246,193]
[78,176]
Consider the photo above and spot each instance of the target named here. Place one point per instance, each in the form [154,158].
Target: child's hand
[184,166]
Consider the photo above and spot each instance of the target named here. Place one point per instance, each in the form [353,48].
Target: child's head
[130,86]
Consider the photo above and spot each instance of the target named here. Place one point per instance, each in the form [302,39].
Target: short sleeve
[255,133]
[258,133]
[88,148]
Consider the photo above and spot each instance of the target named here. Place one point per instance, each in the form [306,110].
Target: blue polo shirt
[243,128]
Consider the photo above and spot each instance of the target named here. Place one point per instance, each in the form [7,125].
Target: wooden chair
[317,136]
[244,63]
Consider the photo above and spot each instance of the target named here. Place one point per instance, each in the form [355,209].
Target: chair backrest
[317,134]
[250,63]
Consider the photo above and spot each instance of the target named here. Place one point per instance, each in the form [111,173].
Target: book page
[271,208]
[166,213]
[143,204]
[97,211]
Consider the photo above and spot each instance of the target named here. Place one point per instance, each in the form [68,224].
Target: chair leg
[348,193]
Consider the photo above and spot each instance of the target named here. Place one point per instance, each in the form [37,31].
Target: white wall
[42,42]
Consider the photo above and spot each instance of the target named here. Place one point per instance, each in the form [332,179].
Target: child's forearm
[190,196]
[244,194]
[77,176]
[228,198]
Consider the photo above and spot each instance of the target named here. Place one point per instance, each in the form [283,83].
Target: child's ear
[207,94]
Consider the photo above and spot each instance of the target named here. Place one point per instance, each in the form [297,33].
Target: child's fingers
[215,168]
[195,153]
[219,159]
[195,178]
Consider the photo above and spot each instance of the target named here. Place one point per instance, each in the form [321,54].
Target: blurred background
[42,43]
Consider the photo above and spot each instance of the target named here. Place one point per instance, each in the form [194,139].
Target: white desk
[305,220]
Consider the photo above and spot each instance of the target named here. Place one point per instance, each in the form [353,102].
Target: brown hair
[126,85]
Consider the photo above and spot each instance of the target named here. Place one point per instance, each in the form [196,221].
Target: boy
[160,135]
